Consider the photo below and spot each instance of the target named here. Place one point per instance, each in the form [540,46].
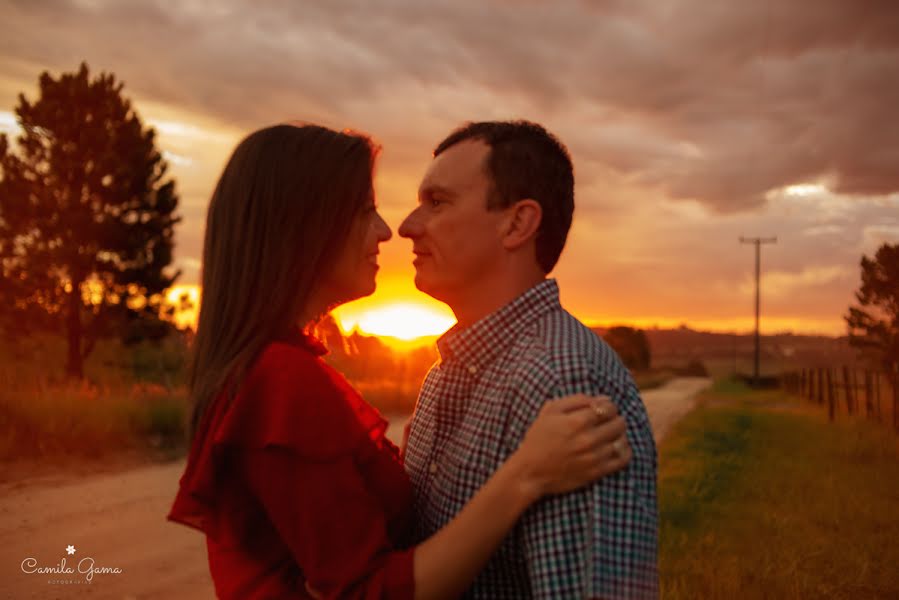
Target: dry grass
[131,399]
[761,498]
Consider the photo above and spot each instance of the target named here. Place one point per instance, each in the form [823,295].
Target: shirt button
[433,468]
[472,369]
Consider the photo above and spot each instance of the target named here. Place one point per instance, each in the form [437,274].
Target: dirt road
[667,404]
[116,522]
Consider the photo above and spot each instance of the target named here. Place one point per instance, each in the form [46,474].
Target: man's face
[456,240]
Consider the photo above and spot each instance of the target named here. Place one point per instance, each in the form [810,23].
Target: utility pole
[758,244]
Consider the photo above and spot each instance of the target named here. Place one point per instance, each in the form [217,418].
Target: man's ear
[521,223]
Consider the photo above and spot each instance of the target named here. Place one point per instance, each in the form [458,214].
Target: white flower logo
[70,549]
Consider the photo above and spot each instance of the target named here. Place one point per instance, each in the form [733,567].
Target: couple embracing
[528,469]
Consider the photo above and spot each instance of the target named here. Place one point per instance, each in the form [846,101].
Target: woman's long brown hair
[281,211]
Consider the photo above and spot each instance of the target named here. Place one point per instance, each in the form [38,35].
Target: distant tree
[87,214]
[631,345]
[874,322]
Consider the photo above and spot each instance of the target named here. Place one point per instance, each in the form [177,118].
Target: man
[493,214]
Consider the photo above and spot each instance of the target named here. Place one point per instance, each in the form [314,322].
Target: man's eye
[435,202]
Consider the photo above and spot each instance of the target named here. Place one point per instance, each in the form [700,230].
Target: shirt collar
[477,345]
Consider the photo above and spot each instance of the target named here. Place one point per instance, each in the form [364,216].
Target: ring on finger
[600,412]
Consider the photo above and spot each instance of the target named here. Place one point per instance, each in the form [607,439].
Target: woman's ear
[521,223]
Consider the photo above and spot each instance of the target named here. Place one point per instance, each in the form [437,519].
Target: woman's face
[353,273]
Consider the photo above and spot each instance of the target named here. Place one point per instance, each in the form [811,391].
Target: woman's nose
[384,232]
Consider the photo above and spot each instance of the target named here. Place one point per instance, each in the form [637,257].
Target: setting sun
[401,320]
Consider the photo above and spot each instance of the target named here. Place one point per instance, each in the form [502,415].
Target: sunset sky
[690,123]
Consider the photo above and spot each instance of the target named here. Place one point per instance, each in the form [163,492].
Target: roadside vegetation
[132,400]
[760,497]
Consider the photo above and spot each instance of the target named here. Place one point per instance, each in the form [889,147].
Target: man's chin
[426,286]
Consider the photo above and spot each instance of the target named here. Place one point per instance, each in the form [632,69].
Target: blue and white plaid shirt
[475,406]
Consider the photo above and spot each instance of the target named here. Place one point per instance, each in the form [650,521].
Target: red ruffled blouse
[295,483]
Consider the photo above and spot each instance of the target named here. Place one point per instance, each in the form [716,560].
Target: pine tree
[874,322]
[87,213]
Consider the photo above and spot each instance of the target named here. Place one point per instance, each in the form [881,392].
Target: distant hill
[728,352]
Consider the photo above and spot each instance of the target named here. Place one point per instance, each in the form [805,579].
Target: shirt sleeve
[600,541]
[332,525]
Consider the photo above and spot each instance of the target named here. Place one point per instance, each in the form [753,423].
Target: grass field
[761,498]
[133,399]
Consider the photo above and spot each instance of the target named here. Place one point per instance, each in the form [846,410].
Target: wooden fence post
[894,383]
[831,401]
[847,384]
[820,385]
[869,394]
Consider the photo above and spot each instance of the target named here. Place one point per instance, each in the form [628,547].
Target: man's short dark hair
[526,161]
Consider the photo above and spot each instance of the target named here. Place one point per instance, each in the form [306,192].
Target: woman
[289,474]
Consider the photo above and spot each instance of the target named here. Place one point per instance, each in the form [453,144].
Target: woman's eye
[435,202]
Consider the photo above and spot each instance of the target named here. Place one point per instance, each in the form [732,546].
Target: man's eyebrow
[430,190]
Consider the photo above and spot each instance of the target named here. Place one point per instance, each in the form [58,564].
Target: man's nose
[411,226]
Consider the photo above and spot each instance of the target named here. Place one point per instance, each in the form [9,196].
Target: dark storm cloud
[715,101]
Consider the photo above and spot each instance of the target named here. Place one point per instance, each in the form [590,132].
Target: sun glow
[402,320]
[186,300]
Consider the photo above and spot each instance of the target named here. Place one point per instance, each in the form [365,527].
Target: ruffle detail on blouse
[290,399]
